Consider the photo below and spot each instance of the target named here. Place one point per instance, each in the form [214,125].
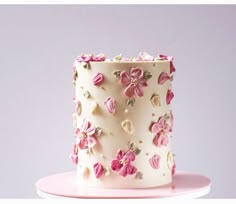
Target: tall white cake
[123,121]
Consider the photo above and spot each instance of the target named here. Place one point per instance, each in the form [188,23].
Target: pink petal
[164,140]
[99,58]
[123,171]
[91,131]
[77,131]
[125,78]
[83,143]
[130,156]
[138,90]
[110,104]
[173,168]
[169,97]
[130,169]
[129,91]
[91,141]
[172,68]
[163,78]
[98,79]
[136,73]
[120,154]
[98,170]
[143,82]
[157,140]
[162,122]
[116,165]
[155,161]
[156,128]
[85,126]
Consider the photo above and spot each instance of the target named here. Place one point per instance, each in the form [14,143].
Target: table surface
[184,185]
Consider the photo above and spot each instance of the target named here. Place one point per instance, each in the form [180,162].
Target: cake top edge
[142,57]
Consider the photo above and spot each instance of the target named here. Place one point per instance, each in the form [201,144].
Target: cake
[123,121]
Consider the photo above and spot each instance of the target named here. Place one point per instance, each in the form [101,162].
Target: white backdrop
[38,45]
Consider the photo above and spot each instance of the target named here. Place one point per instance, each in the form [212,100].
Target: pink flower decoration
[122,163]
[169,96]
[74,156]
[99,58]
[155,161]
[163,78]
[160,129]
[134,82]
[98,79]
[86,135]
[110,104]
[84,58]
[98,170]
[169,58]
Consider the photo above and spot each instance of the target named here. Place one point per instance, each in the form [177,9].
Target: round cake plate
[184,185]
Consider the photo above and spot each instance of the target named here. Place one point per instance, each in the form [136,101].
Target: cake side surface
[123,123]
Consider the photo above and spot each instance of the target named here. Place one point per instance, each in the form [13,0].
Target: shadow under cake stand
[184,185]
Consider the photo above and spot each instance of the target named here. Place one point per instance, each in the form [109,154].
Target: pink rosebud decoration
[155,161]
[133,81]
[163,78]
[160,129]
[169,96]
[86,135]
[110,104]
[98,170]
[122,163]
[84,58]
[99,58]
[169,58]
[98,79]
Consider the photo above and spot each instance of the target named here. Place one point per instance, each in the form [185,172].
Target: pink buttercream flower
[84,58]
[163,77]
[98,79]
[98,170]
[122,163]
[110,104]
[86,135]
[169,96]
[99,58]
[134,82]
[155,161]
[169,58]
[74,156]
[160,129]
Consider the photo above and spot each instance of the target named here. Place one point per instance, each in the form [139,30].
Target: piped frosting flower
[84,58]
[99,58]
[98,170]
[134,82]
[169,96]
[86,135]
[110,104]
[122,163]
[163,77]
[155,161]
[169,58]
[98,79]
[160,129]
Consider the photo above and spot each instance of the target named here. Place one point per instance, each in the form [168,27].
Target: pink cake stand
[184,185]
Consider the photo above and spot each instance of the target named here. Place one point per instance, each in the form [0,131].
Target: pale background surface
[38,45]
